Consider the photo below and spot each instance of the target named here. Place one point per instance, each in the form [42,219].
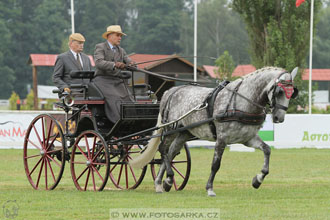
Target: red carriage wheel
[181,165]
[90,161]
[122,175]
[44,152]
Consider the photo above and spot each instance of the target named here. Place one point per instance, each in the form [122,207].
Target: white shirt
[111,46]
[75,57]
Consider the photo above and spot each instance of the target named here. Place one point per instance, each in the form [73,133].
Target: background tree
[93,18]
[6,73]
[220,29]
[36,26]
[321,47]
[155,27]
[279,34]
[226,66]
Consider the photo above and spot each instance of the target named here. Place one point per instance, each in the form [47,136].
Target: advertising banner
[303,131]
[13,126]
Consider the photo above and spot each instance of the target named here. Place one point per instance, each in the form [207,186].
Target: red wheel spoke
[82,151]
[43,132]
[33,144]
[93,149]
[97,172]
[40,171]
[35,130]
[54,160]
[99,163]
[48,134]
[51,170]
[96,155]
[35,167]
[87,146]
[126,175]
[82,173]
[133,174]
[53,141]
[87,178]
[53,151]
[84,163]
[174,182]
[93,178]
[46,182]
[172,165]
[115,166]
[37,155]
[121,169]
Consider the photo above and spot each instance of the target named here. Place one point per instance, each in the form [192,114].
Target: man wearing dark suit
[71,60]
[110,59]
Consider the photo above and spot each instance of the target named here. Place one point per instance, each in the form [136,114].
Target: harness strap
[247,99]
[240,116]
[210,99]
[281,107]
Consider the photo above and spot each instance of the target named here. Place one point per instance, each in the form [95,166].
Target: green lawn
[298,187]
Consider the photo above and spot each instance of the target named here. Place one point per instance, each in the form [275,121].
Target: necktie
[78,61]
[114,50]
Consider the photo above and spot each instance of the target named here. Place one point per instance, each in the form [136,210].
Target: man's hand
[120,65]
[133,64]
[68,90]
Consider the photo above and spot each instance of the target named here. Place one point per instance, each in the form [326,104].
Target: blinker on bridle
[285,86]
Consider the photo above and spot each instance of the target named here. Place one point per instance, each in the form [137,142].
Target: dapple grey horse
[249,94]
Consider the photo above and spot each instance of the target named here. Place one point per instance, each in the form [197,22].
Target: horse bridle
[279,87]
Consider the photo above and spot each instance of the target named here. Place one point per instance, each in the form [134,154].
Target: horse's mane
[269,69]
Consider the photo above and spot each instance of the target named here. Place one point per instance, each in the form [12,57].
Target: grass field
[298,187]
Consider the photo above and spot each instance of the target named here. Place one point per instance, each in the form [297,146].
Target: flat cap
[77,37]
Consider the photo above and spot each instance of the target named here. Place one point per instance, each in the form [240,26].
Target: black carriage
[95,148]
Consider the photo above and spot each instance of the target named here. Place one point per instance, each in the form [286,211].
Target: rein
[167,78]
[244,97]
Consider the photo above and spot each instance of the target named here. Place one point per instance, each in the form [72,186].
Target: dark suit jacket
[64,64]
[114,89]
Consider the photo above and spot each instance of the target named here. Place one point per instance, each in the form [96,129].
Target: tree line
[157,27]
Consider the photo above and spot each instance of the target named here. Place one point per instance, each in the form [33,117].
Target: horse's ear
[294,73]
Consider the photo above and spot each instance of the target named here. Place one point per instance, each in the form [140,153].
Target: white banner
[303,131]
[13,126]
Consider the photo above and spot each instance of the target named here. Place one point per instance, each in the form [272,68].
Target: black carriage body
[134,117]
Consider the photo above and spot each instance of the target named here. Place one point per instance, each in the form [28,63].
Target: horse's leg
[256,142]
[218,151]
[174,149]
[158,181]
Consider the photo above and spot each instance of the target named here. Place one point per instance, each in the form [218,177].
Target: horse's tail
[146,156]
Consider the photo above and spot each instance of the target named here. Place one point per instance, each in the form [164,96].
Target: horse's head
[279,94]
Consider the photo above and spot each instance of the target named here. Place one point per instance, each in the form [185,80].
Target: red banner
[298,2]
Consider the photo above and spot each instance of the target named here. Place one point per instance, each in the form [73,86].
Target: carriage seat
[82,74]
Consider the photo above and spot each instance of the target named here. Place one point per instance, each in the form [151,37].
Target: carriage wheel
[181,165]
[122,175]
[44,152]
[90,161]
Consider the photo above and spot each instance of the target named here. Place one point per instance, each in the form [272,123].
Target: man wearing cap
[71,60]
[110,59]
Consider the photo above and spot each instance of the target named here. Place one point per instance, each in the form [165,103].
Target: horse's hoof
[255,182]
[211,193]
[166,186]
[159,188]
